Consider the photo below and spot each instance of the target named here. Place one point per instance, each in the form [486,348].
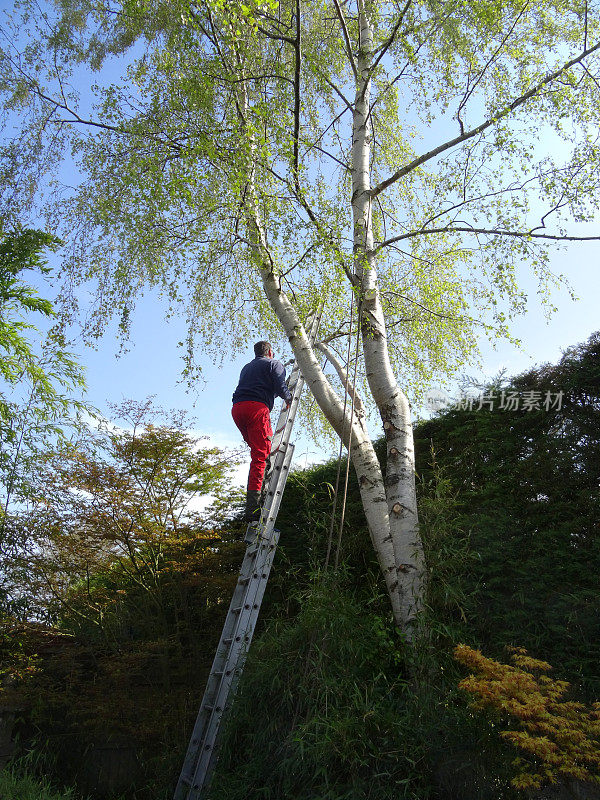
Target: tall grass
[14,786]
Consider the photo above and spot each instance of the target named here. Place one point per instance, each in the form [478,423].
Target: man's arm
[280,386]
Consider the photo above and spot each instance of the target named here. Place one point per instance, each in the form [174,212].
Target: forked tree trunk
[389,502]
[390,400]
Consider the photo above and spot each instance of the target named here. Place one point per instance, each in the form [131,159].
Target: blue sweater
[261,380]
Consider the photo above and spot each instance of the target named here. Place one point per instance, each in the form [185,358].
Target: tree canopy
[39,379]
[117,505]
[462,191]
[390,165]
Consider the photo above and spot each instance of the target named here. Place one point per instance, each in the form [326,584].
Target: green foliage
[20,251]
[331,704]
[327,708]
[15,786]
[117,505]
[318,708]
[20,363]
[299,714]
[527,503]
[136,582]
[448,555]
[166,158]
[38,380]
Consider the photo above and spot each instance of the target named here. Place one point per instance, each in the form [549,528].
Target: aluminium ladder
[262,539]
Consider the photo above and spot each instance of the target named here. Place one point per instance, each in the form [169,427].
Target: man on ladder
[260,381]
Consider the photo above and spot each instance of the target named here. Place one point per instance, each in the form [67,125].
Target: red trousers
[254,421]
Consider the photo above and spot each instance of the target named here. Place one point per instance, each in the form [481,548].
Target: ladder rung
[231,639]
[220,672]
[211,708]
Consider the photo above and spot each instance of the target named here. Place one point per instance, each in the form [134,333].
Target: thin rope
[339,463]
[339,541]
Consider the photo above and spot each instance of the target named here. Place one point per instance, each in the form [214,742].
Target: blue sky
[153,364]
[544,340]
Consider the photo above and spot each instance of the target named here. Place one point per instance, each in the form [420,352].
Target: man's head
[263,349]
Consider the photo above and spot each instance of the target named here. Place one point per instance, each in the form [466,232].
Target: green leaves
[38,377]
[119,501]
[197,99]
[523,485]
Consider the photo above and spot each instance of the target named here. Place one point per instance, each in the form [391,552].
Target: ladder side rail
[225,661]
[267,554]
[236,630]
[248,618]
[212,757]
[243,592]
[209,755]
[263,546]
[219,668]
[239,647]
[281,440]
[274,495]
[266,549]
[287,415]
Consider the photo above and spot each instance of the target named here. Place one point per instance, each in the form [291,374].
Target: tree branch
[76,118]
[297,70]
[487,232]
[326,153]
[430,310]
[346,38]
[382,49]
[343,376]
[484,125]
[281,37]
[313,218]
[338,91]
[466,201]
[300,260]
[331,124]
[470,89]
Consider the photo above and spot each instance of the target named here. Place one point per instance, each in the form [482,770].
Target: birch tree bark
[399,484]
[389,503]
[351,429]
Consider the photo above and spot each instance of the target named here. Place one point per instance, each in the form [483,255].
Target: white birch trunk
[381,504]
[392,403]
[362,452]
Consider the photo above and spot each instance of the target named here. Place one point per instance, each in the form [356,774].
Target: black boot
[252,506]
